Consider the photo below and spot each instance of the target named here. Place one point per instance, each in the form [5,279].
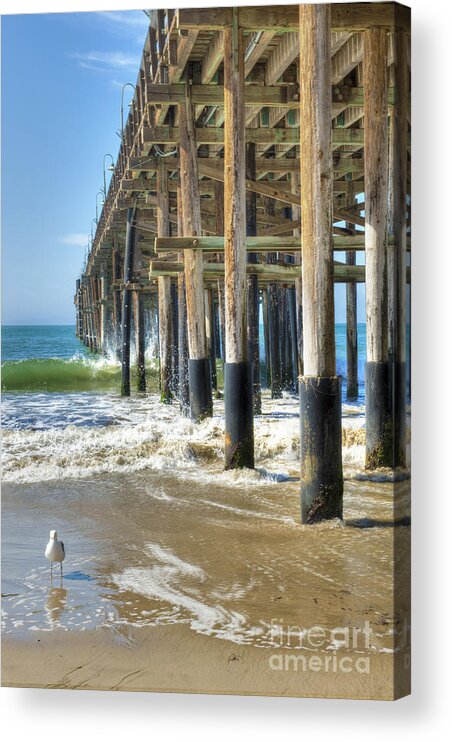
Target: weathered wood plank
[376,180]
[263,164]
[215,135]
[284,18]
[164,290]
[264,243]
[271,271]
[320,388]
[234,194]
[317,195]
[191,209]
[212,95]
[256,49]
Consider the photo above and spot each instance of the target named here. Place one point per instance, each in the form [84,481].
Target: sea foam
[131,435]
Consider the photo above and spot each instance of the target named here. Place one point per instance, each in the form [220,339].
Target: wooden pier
[245,169]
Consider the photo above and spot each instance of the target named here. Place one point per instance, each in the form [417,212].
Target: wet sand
[184,577]
[176,660]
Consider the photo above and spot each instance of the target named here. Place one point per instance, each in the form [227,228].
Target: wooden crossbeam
[263,243]
[216,244]
[215,135]
[213,95]
[279,190]
[212,60]
[285,97]
[282,57]
[351,17]
[184,48]
[256,187]
[255,53]
[263,164]
[342,272]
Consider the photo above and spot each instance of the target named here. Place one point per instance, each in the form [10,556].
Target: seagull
[55,551]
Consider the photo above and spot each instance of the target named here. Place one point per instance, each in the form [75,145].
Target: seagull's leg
[61,569]
[51,570]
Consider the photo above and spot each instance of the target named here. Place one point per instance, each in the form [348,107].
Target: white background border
[38,714]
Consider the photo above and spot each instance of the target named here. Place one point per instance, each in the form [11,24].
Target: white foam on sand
[174,582]
[149,435]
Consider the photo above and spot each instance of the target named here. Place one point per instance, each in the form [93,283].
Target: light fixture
[111,168]
[127,84]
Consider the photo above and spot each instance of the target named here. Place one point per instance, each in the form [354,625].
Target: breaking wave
[59,374]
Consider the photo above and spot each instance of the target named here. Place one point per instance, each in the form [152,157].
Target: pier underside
[265,158]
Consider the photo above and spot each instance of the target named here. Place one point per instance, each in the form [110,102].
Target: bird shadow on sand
[78,576]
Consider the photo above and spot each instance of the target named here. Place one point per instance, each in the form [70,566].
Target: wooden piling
[103,312]
[219,224]
[126,303]
[320,389]
[274,336]
[351,318]
[379,383]
[238,379]
[116,274]
[352,332]
[78,309]
[138,316]
[210,335]
[216,315]
[299,308]
[198,365]
[286,340]
[397,226]
[183,391]
[252,282]
[292,310]
[164,291]
[174,340]
[220,290]
[91,316]
[296,216]
[84,311]
[265,320]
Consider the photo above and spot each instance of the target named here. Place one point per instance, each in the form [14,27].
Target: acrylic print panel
[206,359]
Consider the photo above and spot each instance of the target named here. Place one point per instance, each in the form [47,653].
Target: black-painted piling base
[200,388]
[184,390]
[385,414]
[141,378]
[321,448]
[352,391]
[125,344]
[238,413]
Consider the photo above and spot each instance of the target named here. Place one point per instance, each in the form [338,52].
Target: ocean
[49,378]
[156,532]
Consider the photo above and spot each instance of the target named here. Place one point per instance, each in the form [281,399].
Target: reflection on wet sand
[56,603]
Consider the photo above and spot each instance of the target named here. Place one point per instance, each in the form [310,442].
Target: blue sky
[61,86]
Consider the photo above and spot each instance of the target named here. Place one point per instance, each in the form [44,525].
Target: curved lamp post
[127,84]
[100,192]
[111,169]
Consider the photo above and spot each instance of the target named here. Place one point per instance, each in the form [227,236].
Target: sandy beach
[180,576]
[173,659]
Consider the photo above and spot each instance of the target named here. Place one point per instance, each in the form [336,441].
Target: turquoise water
[51,380]
[50,357]
[25,342]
